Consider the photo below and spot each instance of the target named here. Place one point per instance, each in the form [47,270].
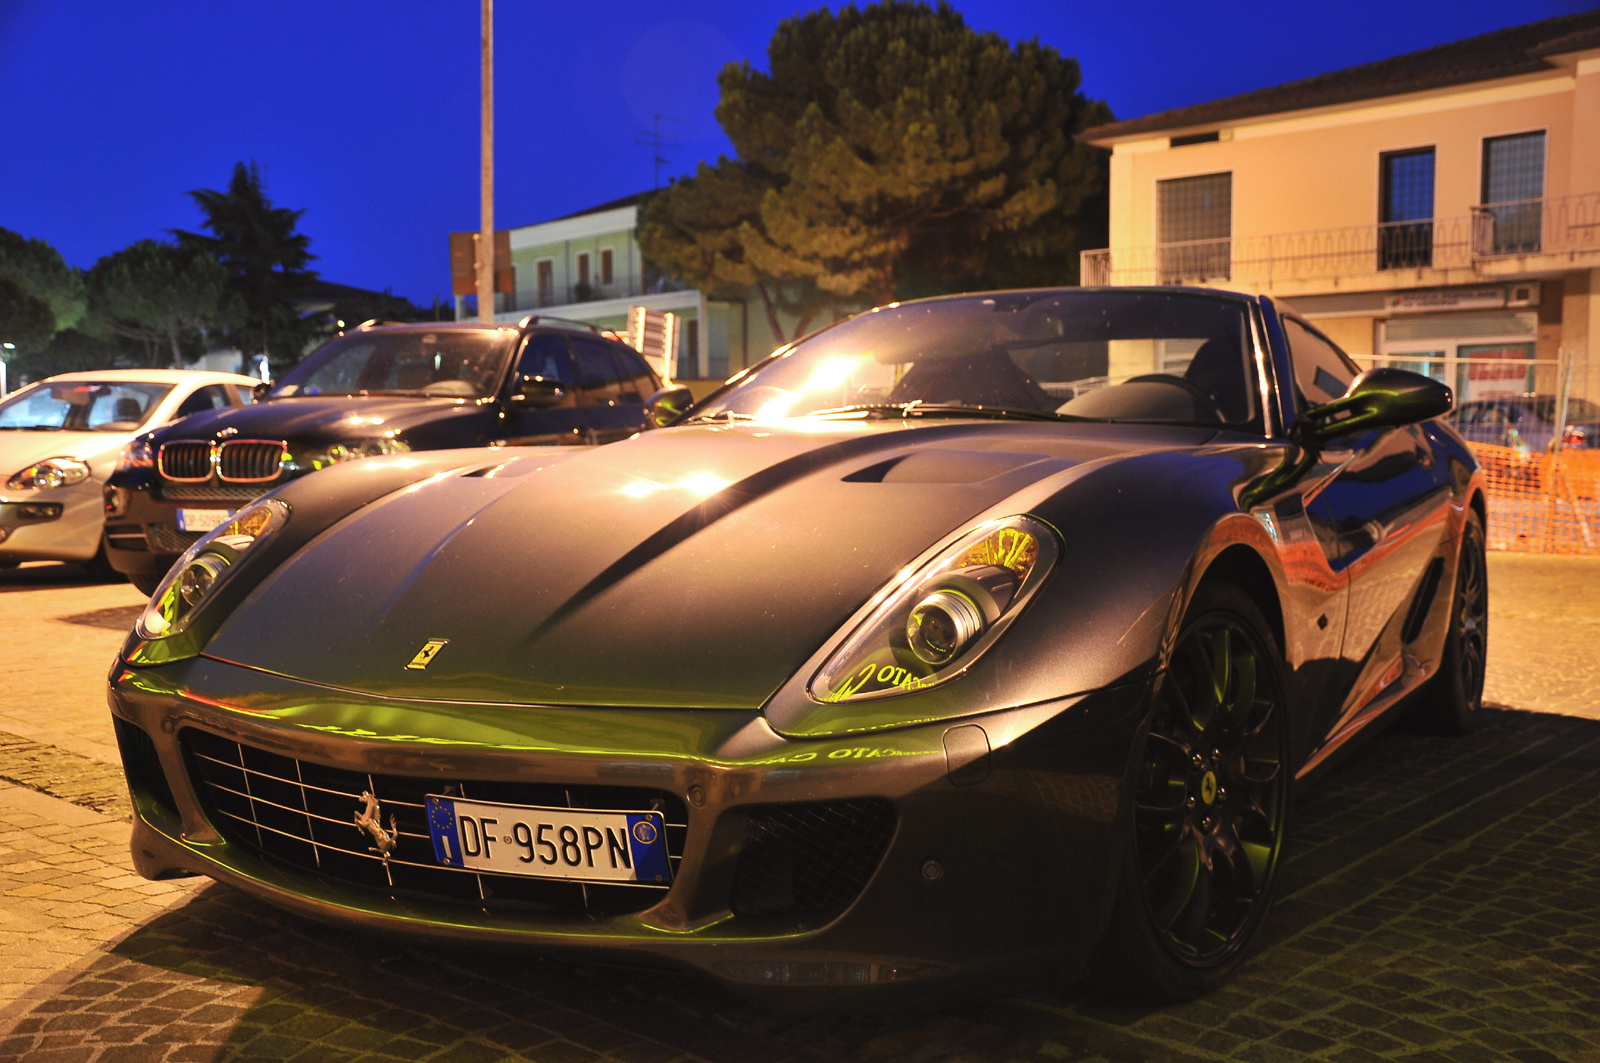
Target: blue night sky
[365,112]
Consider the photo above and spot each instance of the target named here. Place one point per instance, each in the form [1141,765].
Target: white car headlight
[51,472]
[935,622]
[206,566]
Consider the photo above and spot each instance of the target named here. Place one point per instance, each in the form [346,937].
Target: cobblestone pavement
[1441,901]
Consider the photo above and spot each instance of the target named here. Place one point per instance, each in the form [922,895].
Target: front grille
[249,460]
[142,764]
[188,459]
[300,813]
[210,492]
[164,540]
[813,857]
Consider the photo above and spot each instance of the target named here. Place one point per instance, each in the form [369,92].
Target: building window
[547,282]
[1405,232]
[1195,215]
[583,270]
[606,276]
[1513,193]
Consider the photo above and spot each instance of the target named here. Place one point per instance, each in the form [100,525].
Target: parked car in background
[1527,422]
[982,636]
[60,439]
[376,389]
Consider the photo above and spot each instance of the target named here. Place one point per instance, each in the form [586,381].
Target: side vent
[142,765]
[1423,602]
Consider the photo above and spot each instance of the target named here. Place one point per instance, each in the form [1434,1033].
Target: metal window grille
[1195,215]
[1405,235]
[1513,191]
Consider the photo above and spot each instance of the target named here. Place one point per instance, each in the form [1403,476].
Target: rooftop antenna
[653,138]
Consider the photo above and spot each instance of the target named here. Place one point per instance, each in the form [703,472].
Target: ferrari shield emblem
[429,651]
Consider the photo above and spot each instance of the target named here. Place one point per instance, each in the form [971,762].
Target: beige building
[1438,210]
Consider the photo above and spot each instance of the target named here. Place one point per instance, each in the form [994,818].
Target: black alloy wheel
[1211,793]
[1452,702]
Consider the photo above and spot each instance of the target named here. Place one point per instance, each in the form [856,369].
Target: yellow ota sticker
[429,651]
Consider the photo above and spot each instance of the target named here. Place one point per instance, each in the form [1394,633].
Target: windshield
[82,406]
[1170,357]
[454,363]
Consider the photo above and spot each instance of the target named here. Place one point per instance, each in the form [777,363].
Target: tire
[147,582]
[1208,807]
[1452,702]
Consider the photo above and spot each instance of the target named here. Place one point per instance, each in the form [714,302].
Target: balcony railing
[1410,252]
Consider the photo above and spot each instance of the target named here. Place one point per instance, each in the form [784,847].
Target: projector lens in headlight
[935,622]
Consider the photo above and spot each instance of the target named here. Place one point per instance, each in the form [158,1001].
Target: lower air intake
[812,857]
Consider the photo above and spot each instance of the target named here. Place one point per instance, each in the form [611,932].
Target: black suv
[377,389]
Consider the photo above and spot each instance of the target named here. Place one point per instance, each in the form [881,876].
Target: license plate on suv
[202,520]
[576,844]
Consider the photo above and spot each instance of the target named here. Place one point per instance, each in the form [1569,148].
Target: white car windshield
[1152,356]
[82,406]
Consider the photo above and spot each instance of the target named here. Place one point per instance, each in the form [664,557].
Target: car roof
[154,376]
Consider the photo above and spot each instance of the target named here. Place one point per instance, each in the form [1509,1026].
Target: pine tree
[265,259]
[159,295]
[891,151]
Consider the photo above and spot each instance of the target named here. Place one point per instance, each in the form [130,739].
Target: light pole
[486,234]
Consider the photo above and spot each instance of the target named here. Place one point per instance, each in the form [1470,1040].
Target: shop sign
[1453,299]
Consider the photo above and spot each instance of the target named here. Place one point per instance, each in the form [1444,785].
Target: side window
[545,355]
[210,397]
[593,370]
[637,383]
[1321,371]
[246,395]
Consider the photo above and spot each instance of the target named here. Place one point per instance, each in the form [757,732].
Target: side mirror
[1378,398]
[538,392]
[260,391]
[667,405]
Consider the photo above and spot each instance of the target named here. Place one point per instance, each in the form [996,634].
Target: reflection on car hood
[694,566]
[19,449]
[317,418]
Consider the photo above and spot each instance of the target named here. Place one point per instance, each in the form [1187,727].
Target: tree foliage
[161,296]
[26,321]
[265,260]
[40,271]
[889,151]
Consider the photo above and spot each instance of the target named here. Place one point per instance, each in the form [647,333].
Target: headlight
[51,472]
[207,566]
[938,620]
[356,448]
[138,454]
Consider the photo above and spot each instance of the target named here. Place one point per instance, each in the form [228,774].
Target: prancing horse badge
[429,651]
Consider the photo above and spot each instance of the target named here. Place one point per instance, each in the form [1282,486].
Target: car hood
[317,418]
[693,566]
[19,449]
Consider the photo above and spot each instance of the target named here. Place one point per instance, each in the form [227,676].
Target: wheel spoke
[1199,907]
[1184,887]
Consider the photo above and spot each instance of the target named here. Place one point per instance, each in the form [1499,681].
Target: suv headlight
[51,472]
[934,623]
[355,448]
[206,566]
[138,454]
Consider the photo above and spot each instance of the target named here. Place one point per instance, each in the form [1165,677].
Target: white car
[60,439]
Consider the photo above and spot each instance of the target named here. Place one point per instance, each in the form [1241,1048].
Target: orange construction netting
[1542,503]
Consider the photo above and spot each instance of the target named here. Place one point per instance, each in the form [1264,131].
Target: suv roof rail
[548,319]
[372,321]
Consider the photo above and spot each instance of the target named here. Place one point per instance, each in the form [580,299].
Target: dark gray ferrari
[977,637]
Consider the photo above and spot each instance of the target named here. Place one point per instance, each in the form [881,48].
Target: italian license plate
[202,520]
[580,845]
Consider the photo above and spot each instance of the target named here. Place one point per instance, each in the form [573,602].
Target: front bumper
[142,535]
[51,524]
[1001,865]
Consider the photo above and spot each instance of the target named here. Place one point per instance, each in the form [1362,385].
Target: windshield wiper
[918,408]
